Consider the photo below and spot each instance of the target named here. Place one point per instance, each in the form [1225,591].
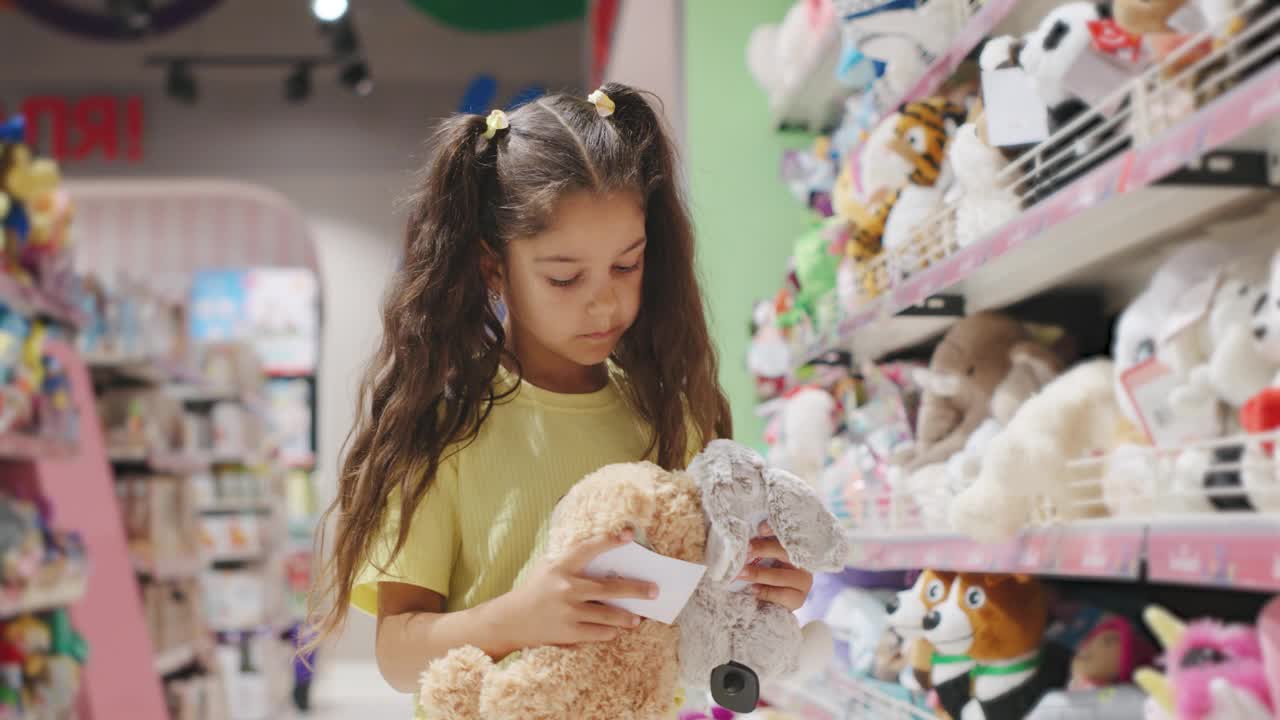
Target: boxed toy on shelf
[41,656]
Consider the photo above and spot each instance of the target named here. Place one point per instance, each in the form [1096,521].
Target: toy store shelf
[33,301]
[238,558]
[180,463]
[167,568]
[836,696]
[66,591]
[174,659]
[196,394]
[1237,551]
[1099,549]
[237,508]
[1109,212]
[806,700]
[108,369]
[16,446]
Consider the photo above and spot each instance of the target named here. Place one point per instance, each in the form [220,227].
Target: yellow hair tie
[604,105]
[496,121]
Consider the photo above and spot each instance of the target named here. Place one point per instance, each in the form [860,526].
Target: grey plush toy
[731,641]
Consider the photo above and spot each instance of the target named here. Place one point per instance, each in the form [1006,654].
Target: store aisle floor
[354,689]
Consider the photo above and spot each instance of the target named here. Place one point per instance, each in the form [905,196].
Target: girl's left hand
[782,583]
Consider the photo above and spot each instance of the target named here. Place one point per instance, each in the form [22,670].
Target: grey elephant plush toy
[731,641]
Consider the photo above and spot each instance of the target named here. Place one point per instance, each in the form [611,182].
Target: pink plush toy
[1209,663]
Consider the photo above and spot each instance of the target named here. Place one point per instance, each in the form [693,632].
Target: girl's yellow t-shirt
[484,514]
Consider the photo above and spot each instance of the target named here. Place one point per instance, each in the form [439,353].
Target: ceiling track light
[181,84]
[342,37]
[297,86]
[327,11]
[355,75]
[134,16]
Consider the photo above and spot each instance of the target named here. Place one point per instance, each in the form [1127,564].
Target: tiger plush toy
[905,153]
[922,133]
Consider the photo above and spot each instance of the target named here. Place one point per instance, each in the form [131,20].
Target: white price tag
[1093,76]
[1149,386]
[1014,112]
[676,579]
[1189,19]
[1189,307]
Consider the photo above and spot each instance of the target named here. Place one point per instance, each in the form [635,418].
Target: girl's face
[572,290]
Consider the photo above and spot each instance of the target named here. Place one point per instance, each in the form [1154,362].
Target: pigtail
[676,398]
[429,386]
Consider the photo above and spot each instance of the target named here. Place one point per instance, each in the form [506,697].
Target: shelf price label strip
[1225,556]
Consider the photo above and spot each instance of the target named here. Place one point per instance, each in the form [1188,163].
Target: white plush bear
[1232,367]
[793,63]
[1266,317]
[1025,475]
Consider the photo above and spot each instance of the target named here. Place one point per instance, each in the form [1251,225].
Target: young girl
[547,321]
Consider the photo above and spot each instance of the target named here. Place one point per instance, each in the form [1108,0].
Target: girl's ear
[491,268]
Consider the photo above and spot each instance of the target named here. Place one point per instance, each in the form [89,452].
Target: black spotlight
[355,75]
[181,84]
[297,86]
[133,15]
[342,37]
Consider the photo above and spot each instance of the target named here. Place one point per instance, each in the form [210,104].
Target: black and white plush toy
[1049,54]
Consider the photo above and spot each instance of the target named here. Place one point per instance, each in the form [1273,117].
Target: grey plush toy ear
[807,530]
[728,476]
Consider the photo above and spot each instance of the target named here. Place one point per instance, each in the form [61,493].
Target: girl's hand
[783,583]
[557,605]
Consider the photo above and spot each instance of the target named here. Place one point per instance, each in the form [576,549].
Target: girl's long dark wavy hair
[430,383]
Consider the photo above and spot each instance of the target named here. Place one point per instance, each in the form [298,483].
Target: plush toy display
[1032,366]
[998,622]
[634,675]
[1213,670]
[922,132]
[727,636]
[769,355]
[972,359]
[893,42]
[1219,355]
[1048,54]
[806,426]
[1109,655]
[858,622]
[1121,702]
[984,196]
[1025,476]
[907,613]
[788,62]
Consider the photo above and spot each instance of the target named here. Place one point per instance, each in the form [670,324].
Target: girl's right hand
[558,605]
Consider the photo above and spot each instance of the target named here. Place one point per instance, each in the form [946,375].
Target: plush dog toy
[998,621]
[906,613]
[632,676]
[729,639]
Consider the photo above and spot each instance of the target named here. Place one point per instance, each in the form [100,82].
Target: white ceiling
[403,47]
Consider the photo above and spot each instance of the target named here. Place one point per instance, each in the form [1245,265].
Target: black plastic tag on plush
[735,687]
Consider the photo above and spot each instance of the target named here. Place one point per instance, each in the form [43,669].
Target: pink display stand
[120,679]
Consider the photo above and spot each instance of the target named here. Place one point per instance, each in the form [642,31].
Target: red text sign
[103,127]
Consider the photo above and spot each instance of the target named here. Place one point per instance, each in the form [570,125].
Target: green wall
[746,219]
